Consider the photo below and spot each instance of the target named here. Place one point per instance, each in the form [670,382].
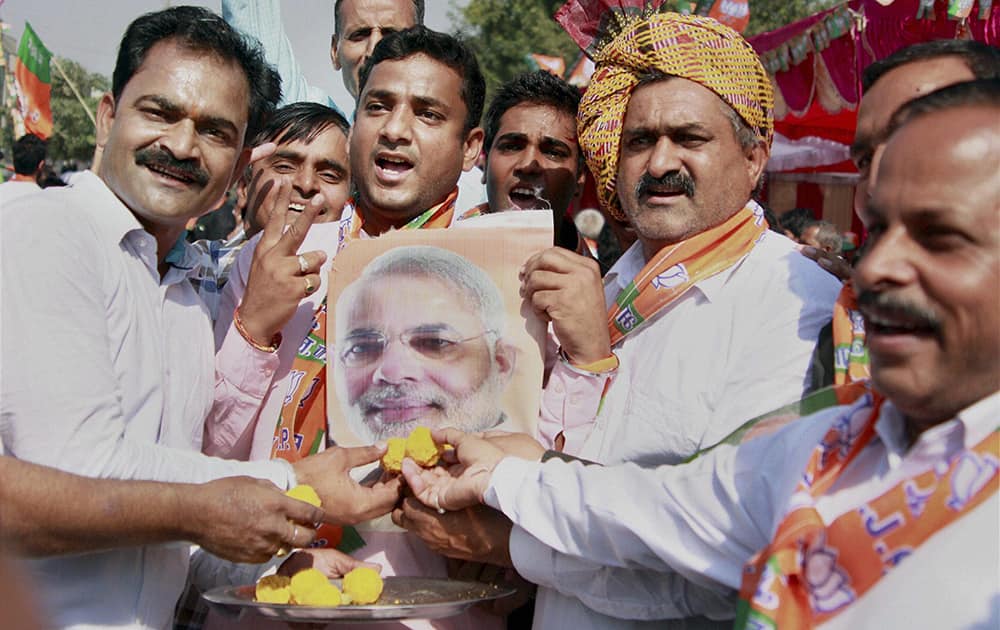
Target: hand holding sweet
[345,501]
[461,484]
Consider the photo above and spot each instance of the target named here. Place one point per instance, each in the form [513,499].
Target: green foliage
[73,136]
[503,32]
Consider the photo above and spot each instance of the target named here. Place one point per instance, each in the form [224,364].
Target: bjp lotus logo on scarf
[827,582]
[972,472]
[673,277]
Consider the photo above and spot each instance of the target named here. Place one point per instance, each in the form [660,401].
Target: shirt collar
[632,261]
[117,222]
[112,216]
[969,427]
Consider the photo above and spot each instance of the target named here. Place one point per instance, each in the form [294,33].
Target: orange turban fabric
[691,47]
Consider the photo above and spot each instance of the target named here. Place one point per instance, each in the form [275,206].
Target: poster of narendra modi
[427,328]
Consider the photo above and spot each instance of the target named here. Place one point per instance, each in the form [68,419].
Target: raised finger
[275,225]
[314,261]
[262,151]
[296,232]
[354,456]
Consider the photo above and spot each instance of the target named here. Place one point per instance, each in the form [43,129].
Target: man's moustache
[378,395]
[890,305]
[674,181]
[162,159]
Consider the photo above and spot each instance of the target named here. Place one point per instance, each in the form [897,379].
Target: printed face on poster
[427,328]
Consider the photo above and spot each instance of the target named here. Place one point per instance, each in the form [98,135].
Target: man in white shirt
[29,159]
[677,151]
[813,523]
[107,351]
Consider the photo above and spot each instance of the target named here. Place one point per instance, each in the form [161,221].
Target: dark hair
[795,220]
[440,47]
[200,30]
[979,93]
[28,151]
[537,88]
[418,14]
[300,121]
[982,59]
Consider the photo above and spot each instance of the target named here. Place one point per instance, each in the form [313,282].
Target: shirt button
[557,387]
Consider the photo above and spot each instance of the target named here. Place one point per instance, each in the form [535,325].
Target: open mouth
[527,198]
[297,207]
[392,167]
[891,329]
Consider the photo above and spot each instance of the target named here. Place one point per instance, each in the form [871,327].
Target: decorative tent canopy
[816,65]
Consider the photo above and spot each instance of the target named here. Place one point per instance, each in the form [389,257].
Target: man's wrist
[600,367]
[253,336]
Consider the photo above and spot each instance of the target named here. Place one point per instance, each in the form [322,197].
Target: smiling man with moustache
[707,321]
[420,342]
[107,354]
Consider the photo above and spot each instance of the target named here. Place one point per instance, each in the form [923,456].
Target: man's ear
[757,157]
[105,118]
[333,52]
[472,147]
[506,360]
[242,183]
[581,181]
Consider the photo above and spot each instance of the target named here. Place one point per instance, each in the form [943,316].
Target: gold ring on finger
[309,286]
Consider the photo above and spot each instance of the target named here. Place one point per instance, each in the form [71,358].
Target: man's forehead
[904,83]
[941,154]
[372,13]
[174,73]
[391,297]
[422,77]
[675,101]
[538,119]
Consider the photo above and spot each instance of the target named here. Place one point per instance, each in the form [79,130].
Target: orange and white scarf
[847,557]
[677,268]
[850,354]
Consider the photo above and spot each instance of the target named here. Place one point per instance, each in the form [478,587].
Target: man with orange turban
[709,320]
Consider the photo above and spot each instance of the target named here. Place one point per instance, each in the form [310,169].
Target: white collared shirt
[736,345]
[605,530]
[107,372]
